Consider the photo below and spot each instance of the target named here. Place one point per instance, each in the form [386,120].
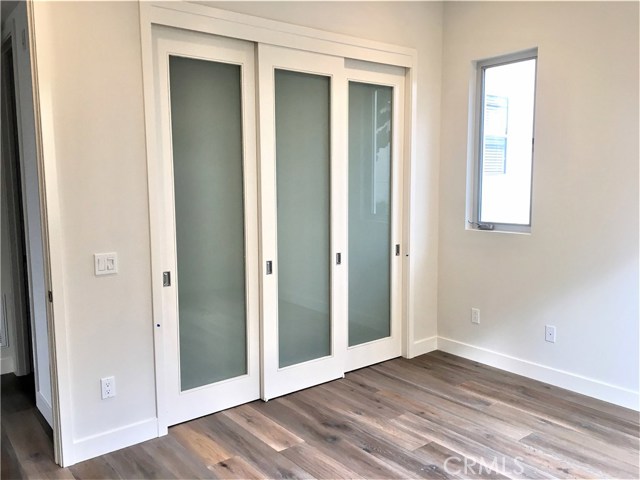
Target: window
[503,167]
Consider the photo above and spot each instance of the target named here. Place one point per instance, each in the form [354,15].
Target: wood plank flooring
[435,416]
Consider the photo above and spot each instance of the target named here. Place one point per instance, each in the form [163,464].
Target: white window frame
[474,183]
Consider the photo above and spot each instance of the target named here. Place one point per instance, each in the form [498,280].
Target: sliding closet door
[303,193]
[206,102]
[374,209]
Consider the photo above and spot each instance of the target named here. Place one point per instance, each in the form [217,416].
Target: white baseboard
[112,440]
[422,346]
[45,408]
[560,378]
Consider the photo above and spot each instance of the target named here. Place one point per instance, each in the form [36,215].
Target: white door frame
[206,19]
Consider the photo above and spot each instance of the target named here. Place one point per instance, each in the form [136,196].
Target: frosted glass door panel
[370,130]
[302,103]
[206,123]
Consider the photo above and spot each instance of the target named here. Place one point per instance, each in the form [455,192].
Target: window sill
[515,230]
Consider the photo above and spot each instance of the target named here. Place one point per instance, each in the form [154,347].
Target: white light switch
[106,263]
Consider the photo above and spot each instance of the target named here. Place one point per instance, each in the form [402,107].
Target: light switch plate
[105,263]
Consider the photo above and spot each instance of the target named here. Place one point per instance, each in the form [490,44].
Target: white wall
[578,270]
[90,77]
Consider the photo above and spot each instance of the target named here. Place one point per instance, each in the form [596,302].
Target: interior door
[303,193]
[205,86]
[375,113]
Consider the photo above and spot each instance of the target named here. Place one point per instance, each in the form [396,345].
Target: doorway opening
[24,336]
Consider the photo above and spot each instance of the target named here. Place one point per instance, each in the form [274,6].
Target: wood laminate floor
[435,416]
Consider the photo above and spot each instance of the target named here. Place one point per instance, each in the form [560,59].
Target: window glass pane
[506,149]
[303,198]
[370,115]
[206,124]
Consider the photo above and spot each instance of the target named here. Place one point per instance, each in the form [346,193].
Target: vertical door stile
[268,236]
[339,211]
[397,178]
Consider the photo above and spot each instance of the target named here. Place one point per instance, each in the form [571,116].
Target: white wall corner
[422,346]
[559,378]
[112,440]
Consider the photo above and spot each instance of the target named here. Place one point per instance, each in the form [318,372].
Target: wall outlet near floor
[550,333]
[475,315]
[108,387]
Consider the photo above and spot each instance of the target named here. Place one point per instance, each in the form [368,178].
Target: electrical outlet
[475,315]
[108,387]
[550,333]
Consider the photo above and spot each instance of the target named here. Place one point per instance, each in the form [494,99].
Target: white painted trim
[408,192]
[422,346]
[553,376]
[115,439]
[53,252]
[207,19]
[58,322]
[155,215]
